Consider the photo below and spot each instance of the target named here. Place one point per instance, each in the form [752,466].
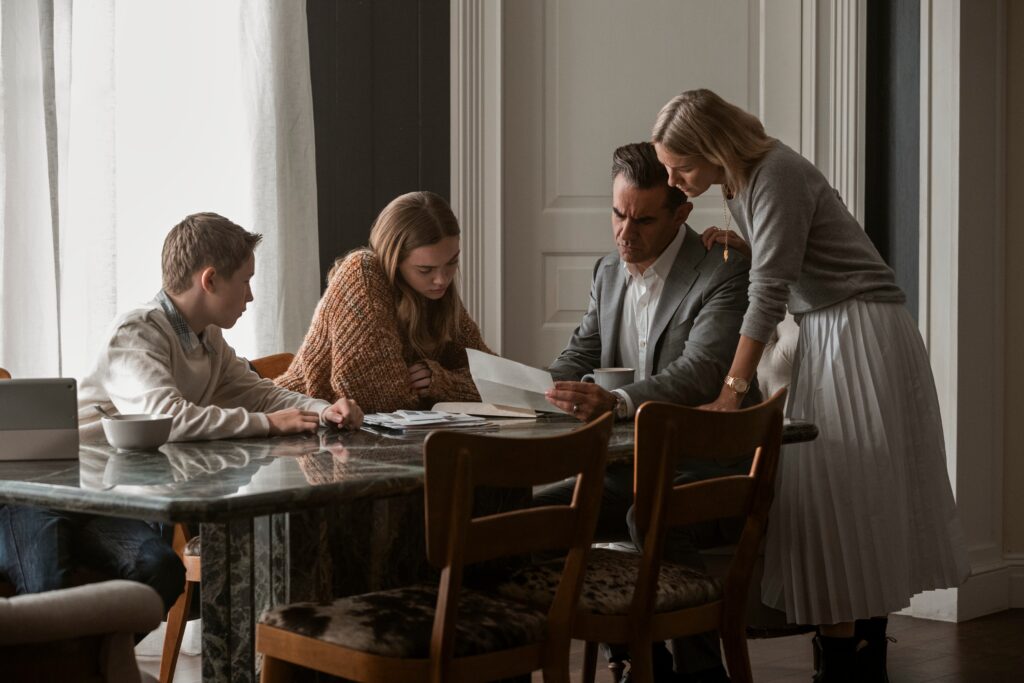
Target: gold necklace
[727,216]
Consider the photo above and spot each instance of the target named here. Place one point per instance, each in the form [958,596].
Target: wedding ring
[575,408]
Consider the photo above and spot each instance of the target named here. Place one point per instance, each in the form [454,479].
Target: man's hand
[420,377]
[583,400]
[293,421]
[345,413]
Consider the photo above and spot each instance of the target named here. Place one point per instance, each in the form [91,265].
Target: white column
[963,74]
[476,157]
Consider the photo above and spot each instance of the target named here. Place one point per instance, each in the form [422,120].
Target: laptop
[39,419]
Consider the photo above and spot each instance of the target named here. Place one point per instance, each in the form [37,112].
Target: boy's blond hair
[202,240]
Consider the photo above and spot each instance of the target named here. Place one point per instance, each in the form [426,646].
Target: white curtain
[120,118]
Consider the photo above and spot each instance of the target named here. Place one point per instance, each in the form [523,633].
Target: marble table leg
[228,602]
[245,571]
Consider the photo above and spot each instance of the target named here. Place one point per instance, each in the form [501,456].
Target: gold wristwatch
[737,384]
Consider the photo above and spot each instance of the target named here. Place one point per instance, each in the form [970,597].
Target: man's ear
[206,279]
[683,212]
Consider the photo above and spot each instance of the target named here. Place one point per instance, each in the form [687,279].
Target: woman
[864,516]
[390,331]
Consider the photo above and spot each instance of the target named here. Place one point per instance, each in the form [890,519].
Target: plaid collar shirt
[189,340]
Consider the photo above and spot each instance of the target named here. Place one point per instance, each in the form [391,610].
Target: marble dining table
[267,510]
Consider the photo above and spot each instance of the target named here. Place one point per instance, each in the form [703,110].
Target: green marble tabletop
[214,481]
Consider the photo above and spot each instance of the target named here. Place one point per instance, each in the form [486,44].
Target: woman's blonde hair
[700,123]
[411,221]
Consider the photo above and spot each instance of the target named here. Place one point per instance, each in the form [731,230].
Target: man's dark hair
[638,164]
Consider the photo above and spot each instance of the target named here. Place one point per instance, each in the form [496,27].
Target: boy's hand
[293,421]
[345,413]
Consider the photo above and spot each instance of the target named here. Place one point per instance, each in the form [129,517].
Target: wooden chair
[4,374]
[638,599]
[271,367]
[186,544]
[449,632]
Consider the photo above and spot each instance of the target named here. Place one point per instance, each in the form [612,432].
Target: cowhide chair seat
[398,622]
[608,584]
[193,548]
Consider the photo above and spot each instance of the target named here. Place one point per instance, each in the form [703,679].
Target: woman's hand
[420,377]
[716,235]
[726,401]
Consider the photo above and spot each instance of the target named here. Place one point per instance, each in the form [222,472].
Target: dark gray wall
[380,107]
[893,137]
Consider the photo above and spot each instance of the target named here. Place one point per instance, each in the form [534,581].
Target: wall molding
[1015,564]
[833,83]
[962,191]
[476,158]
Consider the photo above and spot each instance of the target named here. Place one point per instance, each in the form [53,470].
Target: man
[671,309]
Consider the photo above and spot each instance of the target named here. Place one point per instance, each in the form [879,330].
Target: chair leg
[589,662]
[641,665]
[737,658]
[276,671]
[177,617]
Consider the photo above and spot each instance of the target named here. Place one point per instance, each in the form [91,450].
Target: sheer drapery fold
[118,119]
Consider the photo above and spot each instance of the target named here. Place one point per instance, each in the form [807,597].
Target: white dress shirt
[643,292]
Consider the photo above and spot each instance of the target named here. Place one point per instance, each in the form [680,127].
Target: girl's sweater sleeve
[454,383]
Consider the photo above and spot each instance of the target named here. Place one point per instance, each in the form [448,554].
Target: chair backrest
[666,434]
[4,374]
[457,464]
[270,367]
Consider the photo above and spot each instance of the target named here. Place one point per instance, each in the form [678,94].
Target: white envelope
[508,383]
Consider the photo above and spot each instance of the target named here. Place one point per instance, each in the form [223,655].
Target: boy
[166,357]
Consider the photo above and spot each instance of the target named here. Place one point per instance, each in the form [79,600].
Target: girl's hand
[716,235]
[420,377]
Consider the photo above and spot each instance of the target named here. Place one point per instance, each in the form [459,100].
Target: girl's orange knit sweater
[354,348]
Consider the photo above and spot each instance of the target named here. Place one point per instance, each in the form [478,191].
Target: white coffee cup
[610,378]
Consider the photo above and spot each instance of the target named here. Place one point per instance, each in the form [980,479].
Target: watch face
[738,384]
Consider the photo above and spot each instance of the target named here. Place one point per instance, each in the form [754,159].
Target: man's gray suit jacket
[694,331]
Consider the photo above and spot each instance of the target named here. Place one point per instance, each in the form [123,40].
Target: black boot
[836,662]
[872,648]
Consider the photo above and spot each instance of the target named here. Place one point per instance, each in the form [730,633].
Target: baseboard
[987,591]
[1015,562]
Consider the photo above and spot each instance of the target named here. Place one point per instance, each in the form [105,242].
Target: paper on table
[507,383]
[485,409]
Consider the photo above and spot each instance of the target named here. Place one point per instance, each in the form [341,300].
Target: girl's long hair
[410,221]
[700,123]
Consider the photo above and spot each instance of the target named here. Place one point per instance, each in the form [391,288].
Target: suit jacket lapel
[677,286]
[613,294]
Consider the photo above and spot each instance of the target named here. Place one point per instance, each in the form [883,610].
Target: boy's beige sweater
[354,348]
[211,394]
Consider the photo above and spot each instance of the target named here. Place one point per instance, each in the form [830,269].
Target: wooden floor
[985,650]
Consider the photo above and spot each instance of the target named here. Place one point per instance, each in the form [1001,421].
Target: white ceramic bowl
[137,432]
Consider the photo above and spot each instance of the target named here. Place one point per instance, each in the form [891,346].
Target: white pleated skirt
[864,516]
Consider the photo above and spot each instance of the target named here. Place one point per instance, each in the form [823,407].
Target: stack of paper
[425,420]
[485,409]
